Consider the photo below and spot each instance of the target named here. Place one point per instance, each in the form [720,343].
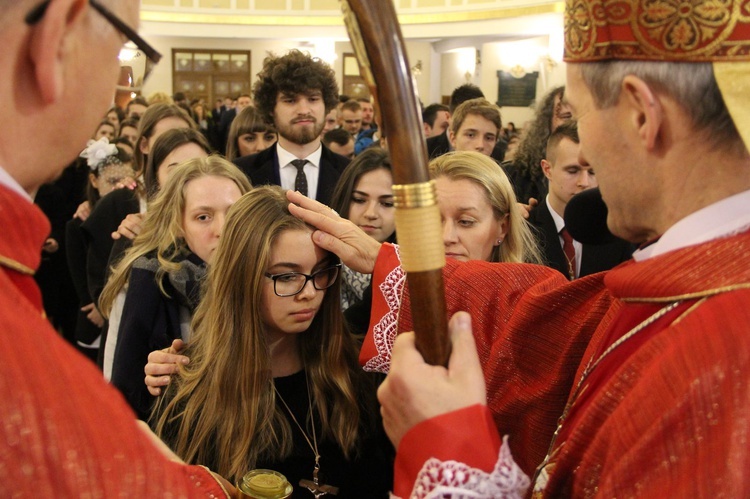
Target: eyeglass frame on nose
[308,278]
[37,13]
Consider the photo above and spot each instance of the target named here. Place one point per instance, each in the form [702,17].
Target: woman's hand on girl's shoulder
[162,364]
[130,227]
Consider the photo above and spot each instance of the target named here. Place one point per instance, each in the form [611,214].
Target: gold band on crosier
[418,227]
[415,195]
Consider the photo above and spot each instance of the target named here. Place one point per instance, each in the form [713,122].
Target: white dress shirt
[722,219]
[288,172]
[12,184]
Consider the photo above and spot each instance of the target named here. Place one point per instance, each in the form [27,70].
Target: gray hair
[691,85]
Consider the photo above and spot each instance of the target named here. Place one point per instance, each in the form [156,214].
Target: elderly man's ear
[646,110]
[50,45]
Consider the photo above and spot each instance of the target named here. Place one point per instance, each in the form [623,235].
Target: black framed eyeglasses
[292,283]
[137,57]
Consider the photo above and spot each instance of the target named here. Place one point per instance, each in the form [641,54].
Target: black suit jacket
[225,122]
[263,169]
[438,145]
[596,258]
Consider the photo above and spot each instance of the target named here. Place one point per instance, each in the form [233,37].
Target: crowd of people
[244,260]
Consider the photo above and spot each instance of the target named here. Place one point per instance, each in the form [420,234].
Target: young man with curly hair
[294,93]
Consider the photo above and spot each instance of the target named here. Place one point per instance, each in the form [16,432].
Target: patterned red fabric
[454,465]
[64,431]
[518,313]
[667,414]
[657,30]
[526,338]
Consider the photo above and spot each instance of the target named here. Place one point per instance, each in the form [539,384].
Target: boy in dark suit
[567,177]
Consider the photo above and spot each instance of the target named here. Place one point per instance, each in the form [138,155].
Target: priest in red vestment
[630,383]
[63,431]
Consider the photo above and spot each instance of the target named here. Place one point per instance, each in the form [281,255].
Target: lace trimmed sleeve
[440,479]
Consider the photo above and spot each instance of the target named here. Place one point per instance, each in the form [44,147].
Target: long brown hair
[224,405]
[151,117]
[163,147]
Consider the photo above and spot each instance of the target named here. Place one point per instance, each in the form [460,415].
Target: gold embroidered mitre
[716,31]
[657,30]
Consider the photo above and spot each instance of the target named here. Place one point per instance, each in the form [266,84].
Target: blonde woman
[273,380]
[113,209]
[481,221]
[162,271]
[481,218]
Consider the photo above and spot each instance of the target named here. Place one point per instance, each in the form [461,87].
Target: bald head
[46,87]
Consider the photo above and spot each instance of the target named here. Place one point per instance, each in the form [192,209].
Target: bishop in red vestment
[666,402]
[635,383]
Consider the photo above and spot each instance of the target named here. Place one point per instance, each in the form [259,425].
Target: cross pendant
[314,486]
[319,490]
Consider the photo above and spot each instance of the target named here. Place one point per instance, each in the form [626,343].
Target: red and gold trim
[657,30]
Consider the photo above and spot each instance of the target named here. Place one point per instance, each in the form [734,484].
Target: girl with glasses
[273,380]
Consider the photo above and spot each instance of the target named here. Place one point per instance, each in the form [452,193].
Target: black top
[367,474]
[358,314]
[150,321]
[77,248]
[52,277]
[525,184]
[105,218]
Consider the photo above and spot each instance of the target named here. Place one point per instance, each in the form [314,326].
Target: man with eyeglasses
[64,432]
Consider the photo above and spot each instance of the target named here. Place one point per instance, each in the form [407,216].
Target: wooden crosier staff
[376,36]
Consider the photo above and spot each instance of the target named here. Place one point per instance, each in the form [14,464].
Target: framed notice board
[516,92]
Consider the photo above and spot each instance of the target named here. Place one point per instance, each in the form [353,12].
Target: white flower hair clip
[99,153]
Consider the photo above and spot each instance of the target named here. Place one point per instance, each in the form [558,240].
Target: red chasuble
[665,413]
[64,432]
[529,322]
